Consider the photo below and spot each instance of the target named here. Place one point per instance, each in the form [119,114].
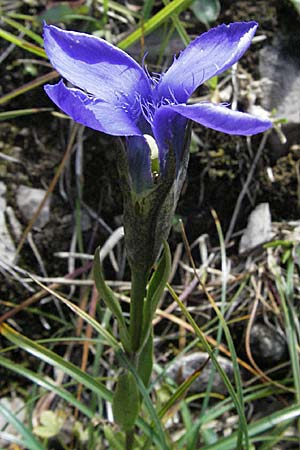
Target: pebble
[186,365]
[7,246]
[268,346]
[28,201]
[258,230]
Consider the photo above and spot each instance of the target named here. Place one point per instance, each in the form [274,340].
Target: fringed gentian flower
[112,93]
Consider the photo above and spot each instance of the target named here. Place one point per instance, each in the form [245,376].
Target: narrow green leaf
[243,429]
[108,296]
[55,360]
[147,8]
[7,115]
[22,43]
[290,317]
[179,27]
[126,402]
[115,440]
[179,393]
[78,375]
[208,349]
[31,443]
[255,429]
[47,384]
[26,31]
[158,435]
[145,364]
[276,437]
[159,278]
[155,289]
[254,393]
[28,86]
[96,325]
[154,22]
[18,16]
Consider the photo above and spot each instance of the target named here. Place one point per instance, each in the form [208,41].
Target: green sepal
[155,289]
[126,401]
[145,363]
[110,300]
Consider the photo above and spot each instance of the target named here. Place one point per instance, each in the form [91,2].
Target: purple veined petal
[220,118]
[93,113]
[169,132]
[139,161]
[208,55]
[95,66]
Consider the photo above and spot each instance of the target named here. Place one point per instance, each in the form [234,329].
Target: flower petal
[138,153]
[93,113]
[211,53]
[169,132]
[95,66]
[219,117]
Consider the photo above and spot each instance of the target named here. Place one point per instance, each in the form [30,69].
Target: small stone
[259,228]
[268,346]
[186,365]
[279,63]
[85,221]
[7,246]
[28,201]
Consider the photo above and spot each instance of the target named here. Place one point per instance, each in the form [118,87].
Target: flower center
[138,105]
[124,102]
[148,107]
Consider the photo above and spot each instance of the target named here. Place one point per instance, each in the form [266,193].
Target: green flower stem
[129,440]
[139,281]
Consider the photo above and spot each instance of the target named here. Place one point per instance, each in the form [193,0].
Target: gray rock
[258,228]
[279,64]
[7,246]
[28,201]
[186,365]
[267,345]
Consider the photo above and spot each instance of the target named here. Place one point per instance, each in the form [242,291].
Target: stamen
[124,102]
[156,77]
[147,109]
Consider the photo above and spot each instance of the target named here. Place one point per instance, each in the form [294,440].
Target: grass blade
[255,429]
[148,404]
[7,115]
[29,86]
[89,319]
[208,349]
[154,22]
[18,26]
[31,443]
[22,43]
[55,360]
[47,384]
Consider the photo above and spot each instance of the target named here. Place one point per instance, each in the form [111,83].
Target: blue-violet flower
[112,93]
